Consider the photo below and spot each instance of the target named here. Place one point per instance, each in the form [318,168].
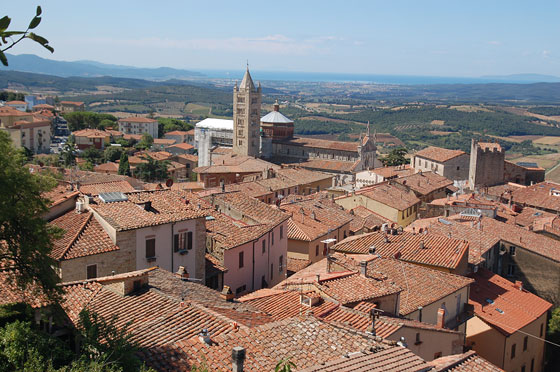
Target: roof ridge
[76,236]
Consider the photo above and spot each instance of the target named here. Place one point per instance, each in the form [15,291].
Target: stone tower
[486,164]
[246,117]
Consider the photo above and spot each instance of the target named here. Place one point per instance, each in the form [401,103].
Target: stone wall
[538,274]
[486,166]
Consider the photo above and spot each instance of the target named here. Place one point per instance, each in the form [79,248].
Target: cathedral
[272,138]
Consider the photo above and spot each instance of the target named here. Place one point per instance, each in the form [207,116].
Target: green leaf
[39,11]
[3,58]
[41,40]
[4,23]
[34,22]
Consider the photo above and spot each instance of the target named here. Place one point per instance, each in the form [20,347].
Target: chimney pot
[238,358]
[363,268]
[519,284]
[227,294]
[440,318]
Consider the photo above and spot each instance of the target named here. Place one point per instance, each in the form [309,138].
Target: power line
[525,333]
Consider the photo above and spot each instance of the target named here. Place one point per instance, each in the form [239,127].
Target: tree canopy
[395,157]
[85,119]
[25,237]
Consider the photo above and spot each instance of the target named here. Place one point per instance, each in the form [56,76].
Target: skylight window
[490,301]
[499,310]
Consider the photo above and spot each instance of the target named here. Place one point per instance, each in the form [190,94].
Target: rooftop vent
[372,249]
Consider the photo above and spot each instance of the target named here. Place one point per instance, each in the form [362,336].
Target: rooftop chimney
[182,273]
[440,318]
[227,294]
[518,285]
[238,358]
[363,268]
[422,245]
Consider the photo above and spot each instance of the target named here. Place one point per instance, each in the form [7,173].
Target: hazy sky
[438,38]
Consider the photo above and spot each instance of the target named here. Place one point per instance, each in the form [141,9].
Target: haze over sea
[376,79]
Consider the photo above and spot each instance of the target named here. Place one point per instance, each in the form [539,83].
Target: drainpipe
[253,275]
[172,243]
[268,258]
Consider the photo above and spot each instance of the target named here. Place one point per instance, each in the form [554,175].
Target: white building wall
[164,247]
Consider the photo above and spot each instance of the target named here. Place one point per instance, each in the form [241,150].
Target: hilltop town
[236,244]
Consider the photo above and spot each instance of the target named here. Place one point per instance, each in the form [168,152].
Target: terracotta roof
[480,242]
[251,208]
[307,341]
[439,154]
[540,195]
[296,264]
[233,163]
[95,189]
[91,133]
[390,360]
[156,155]
[336,166]
[501,304]
[83,236]
[221,150]
[59,194]
[10,111]
[466,362]
[182,146]
[437,250]
[320,143]
[421,286]
[16,103]
[43,106]
[469,200]
[187,186]
[389,195]
[71,103]
[365,218]
[311,219]
[178,133]
[259,218]
[355,288]
[161,313]
[137,119]
[12,294]
[107,167]
[189,157]
[166,206]
[521,237]
[394,171]
[85,177]
[285,304]
[424,183]
[136,137]
[164,141]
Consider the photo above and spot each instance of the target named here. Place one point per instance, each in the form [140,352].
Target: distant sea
[360,78]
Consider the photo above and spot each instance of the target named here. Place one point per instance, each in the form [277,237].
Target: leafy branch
[7,37]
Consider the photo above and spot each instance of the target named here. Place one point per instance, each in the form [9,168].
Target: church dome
[275,117]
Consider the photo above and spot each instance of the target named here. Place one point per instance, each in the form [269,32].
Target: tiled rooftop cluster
[419,285]
[83,236]
[503,304]
[283,179]
[147,208]
[420,248]
[390,195]
[424,183]
[313,218]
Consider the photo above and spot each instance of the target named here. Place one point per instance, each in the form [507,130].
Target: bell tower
[246,117]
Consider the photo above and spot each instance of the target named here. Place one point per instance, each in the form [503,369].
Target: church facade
[272,137]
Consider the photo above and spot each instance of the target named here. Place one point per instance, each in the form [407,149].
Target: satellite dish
[169,182]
